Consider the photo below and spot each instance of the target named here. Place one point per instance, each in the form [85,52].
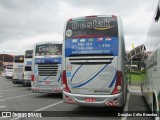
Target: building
[6,59]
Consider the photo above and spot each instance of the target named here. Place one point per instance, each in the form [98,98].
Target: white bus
[9,71]
[4,72]
[94,62]
[46,67]
[27,71]
[18,62]
[151,84]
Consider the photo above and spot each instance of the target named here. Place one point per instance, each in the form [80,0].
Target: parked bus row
[88,67]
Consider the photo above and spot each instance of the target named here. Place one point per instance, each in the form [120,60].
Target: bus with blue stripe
[46,67]
[94,62]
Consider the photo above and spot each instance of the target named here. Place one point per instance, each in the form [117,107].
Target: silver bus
[151,84]
[46,67]
[94,62]
[27,68]
[18,62]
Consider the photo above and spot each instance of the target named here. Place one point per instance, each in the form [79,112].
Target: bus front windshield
[48,49]
[28,54]
[92,27]
[19,59]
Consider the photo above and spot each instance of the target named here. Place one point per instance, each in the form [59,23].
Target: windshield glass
[28,68]
[19,59]
[28,54]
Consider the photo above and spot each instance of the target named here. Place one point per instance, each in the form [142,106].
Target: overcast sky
[26,22]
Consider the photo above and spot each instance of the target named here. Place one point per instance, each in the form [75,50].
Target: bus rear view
[94,62]
[18,62]
[27,71]
[46,67]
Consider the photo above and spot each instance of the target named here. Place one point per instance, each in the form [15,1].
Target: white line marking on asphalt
[2,100]
[12,89]
[2,106]
[41,109]
[6,86]
[19,96]
[48,106]
[126,106]
[137,91]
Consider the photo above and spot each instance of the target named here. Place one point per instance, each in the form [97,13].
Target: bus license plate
[90,99]
[47,82]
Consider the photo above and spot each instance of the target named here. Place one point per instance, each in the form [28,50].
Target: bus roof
[93,16]
[53,42]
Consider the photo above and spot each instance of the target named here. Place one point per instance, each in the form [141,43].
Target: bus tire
[121,108]
[155,109]
[13,82]
[154,104]
[24,84]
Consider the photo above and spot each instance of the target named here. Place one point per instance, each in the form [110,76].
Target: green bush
[137,77]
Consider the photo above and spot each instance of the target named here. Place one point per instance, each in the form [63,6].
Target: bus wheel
[24,84]
[14,82]
[155,109]
[154,105]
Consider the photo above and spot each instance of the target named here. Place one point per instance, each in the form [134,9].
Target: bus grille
[47,69]
[18,70]
[91,59]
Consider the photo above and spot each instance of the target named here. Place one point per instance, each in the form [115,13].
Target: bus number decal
[68,33]
[29,62]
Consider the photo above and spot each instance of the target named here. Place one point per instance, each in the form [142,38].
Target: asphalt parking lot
[15,97]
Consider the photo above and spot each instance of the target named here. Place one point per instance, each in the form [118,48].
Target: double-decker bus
[151,84]
[27,71]
[94,62]
[9,71]
[18,62]
[46,67]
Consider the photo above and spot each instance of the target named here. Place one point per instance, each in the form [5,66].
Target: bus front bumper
[116,100]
